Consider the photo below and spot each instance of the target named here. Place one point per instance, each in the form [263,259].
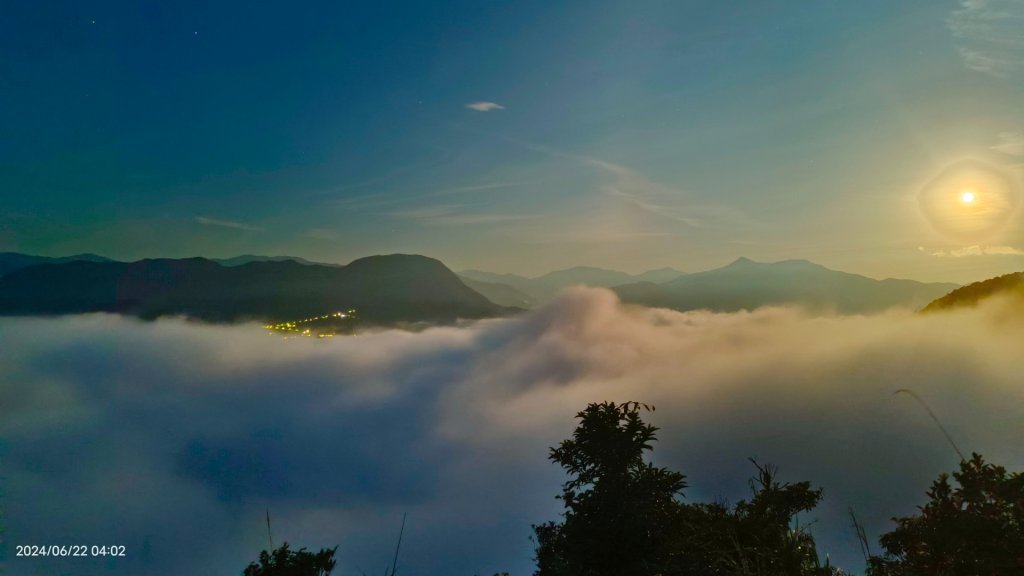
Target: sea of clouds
[174,439]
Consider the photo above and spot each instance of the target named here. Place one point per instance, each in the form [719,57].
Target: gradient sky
[517,137]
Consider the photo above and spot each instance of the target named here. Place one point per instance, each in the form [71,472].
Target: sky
[107,436]
[517,137]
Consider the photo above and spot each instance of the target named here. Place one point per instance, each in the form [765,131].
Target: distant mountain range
[973,294]
[406,288]
[501,294]
[383,289]
[745,284]
[247,258]
[543,288]
[11,261]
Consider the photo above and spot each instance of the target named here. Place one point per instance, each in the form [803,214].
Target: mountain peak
[746,284]
[802,264]
[741,261]
[797,263]
[397,260]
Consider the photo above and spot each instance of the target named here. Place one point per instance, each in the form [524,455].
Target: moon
[969,201]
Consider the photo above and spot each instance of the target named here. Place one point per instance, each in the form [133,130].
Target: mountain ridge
[745,284]
[546,286]
[13,261]
[501,294]
[410,288]
[977,292]
[247,258]
[383,289]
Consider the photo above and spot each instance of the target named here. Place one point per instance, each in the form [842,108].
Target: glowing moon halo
[970,201]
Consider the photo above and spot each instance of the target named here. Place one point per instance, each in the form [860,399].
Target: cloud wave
[173,438]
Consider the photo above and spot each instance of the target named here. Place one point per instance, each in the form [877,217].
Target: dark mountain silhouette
[745,284]
[11,261]
[666,274]
[972,294]
[521,283]
[247,258]
[501,294]
[545,287]
[383,289]
[586,275]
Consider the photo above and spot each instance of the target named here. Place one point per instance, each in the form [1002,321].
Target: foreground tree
[285,562]
[623,517]
[758,536]
[975,529]
[620,513]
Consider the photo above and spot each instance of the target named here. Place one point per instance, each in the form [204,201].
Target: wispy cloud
[484,106]
[968,251]
[642,192]
[453,215]
[205,221]
[324,234]
[982,62]
[989,37]
[628,204]
[478,188]
[655,209]
[364,201]
[1010,143]
[660,200]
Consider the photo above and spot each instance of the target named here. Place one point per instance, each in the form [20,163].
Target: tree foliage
[286,562]
[625,517]
[974,529]
[620,511]
[759,535]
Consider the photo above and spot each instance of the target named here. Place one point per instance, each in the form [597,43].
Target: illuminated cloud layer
[174,438]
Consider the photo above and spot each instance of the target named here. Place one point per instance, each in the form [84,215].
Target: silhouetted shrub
[285,562]
[757,536]
[623,517]
[975,529]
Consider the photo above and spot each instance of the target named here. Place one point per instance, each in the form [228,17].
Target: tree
[758,536]
[624,517]
[975,529]
[285,562]
[620,512]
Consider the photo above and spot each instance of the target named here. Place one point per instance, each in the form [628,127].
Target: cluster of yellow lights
[296,327]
